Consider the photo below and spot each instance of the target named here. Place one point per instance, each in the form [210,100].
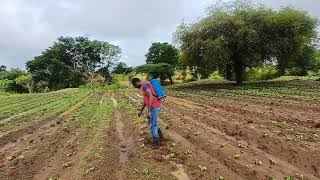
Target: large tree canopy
[161,57]
[70,60]
[162,53]
[162,70]
[240,36]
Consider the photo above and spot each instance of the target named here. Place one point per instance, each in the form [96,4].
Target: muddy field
[212,131]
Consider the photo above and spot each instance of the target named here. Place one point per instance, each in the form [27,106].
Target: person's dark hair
[134,81]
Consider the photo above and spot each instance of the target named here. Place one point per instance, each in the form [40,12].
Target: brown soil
[204,138]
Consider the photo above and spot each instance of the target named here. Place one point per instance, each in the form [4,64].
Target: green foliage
[37,107]
[122,68]
[110,55]
[25,81]
[237,36]
[262,73]
[162,53]
[164,58]
[294,78]
[316,62]
[120,77]
[154,71]
[6,85]
[294,33]
[53,73]
[124,79]
[297,71]
[216,76]
[12,74]
[103,87]
[301,64]
[3,68]
[11,81]
[70,61]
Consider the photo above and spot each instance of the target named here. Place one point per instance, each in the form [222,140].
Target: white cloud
[28,27]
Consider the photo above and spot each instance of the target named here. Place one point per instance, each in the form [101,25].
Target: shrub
[261,73]
[11,86]
[12,74]
[25,81]
[297,71]
[216,76]
[6,85]
[114,85]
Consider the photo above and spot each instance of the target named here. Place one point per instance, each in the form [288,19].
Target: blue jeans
[154,122]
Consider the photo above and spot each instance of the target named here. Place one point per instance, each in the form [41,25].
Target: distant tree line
[15,80]
[235,36]
[236,39]
[70,62]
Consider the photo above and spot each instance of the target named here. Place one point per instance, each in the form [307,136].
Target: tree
[316,62]
[6,85]
[110,55]
[12,74]
[220,42]
[70,61]
[293,33]
[3,68]
[154,71]
[122,68]
[8,80]
[54,72]
[25,81]
[300,64]
[237,36]
[162,53]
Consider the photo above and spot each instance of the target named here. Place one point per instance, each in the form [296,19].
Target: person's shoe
[160,135]
[155,144]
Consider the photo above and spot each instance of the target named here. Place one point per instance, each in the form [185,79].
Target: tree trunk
[161,80]
[281,67]
[229,72]
[239,69]
[171,80]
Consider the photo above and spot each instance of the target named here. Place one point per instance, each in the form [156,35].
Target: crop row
[46,111]
[16,98]
[30,104]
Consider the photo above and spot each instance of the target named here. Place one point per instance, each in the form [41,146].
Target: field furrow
[211,131]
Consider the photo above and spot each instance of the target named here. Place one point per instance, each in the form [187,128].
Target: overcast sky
[27,27]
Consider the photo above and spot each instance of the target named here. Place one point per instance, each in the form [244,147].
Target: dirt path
[126,144]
